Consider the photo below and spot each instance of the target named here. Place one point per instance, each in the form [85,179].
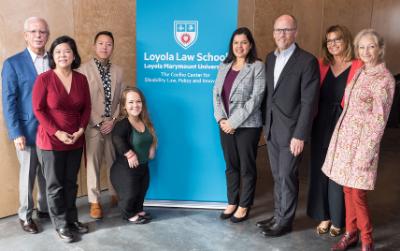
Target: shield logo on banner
[186,33]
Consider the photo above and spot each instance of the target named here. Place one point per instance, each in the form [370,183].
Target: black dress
[325,197]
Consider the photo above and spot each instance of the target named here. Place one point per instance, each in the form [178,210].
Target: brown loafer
[96,211]
[29,226]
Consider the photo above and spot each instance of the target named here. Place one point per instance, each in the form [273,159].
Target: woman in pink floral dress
[353,153]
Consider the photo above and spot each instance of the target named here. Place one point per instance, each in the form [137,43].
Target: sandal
[335,231]
[323,227]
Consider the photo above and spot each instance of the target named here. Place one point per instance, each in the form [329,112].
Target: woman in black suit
[135,142]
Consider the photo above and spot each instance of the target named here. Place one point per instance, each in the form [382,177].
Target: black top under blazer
[291,106]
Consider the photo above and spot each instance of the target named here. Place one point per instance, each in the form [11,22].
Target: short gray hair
[378,39]
[32,19]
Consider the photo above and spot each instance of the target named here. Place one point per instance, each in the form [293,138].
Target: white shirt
[41,62]
[281,59]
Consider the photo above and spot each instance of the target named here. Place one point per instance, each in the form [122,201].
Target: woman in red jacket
[61,103]
[337,68]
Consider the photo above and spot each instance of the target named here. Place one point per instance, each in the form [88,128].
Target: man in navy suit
[292,78]
[18,77]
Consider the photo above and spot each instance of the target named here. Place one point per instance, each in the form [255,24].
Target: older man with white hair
[18,76]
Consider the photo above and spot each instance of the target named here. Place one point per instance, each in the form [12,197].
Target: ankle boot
[347,240]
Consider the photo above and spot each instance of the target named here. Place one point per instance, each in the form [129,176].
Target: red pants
[357,215]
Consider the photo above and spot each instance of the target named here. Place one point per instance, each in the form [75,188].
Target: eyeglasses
[334,41]
[285,30]
[41,32]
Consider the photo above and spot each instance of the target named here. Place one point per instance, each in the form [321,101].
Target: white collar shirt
[282,58]
[41,63]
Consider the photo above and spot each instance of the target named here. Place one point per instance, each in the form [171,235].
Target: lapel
[29,63]
[270,73]
[288,67]
[243,72]
[97,76]
[113,81]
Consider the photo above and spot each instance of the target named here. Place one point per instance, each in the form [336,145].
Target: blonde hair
[144,114]
[347,38]
[378,39]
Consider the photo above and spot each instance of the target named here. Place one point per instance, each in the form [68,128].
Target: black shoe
[139,220]
[224,216]
[65,234]
[29,226]
[276,230]
[147,216]
[78,227]
[237,220]
[266,223]
[42,215]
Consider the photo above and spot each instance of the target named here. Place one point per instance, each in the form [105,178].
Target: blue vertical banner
[179,45]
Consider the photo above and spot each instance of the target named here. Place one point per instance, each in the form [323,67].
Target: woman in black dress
[135,142]
[337,68]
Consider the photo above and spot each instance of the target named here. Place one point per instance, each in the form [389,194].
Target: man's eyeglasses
[285,30]
[41,32]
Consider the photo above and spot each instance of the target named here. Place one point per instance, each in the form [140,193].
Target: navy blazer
[18,76]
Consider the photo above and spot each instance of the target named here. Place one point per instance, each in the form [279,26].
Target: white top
[281,59]
[41,62]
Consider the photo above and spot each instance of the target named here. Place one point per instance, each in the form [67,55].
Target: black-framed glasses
[284,30]
[334,41]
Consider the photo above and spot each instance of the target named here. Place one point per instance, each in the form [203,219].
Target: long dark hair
[252,55]
[71,42]
[144,114]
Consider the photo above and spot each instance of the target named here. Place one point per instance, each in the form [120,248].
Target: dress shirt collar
[34,55]
[286,52]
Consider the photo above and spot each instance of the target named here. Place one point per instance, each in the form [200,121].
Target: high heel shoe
[237,219]
[225,216]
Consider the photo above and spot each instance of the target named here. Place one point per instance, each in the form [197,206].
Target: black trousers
[240,153]
[131,185]
[325,197]
[284,168]
[60,169]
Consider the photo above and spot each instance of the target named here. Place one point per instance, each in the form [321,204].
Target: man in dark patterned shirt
[105,83]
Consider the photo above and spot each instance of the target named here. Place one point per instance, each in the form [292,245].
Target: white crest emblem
[185,32]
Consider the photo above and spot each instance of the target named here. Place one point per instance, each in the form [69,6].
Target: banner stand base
[185,204]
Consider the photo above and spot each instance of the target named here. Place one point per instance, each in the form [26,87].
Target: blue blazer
[18,77]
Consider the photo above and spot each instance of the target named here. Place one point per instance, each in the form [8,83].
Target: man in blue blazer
[18,76]
[292,77]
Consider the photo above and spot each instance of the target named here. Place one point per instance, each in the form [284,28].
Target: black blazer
[292,104]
